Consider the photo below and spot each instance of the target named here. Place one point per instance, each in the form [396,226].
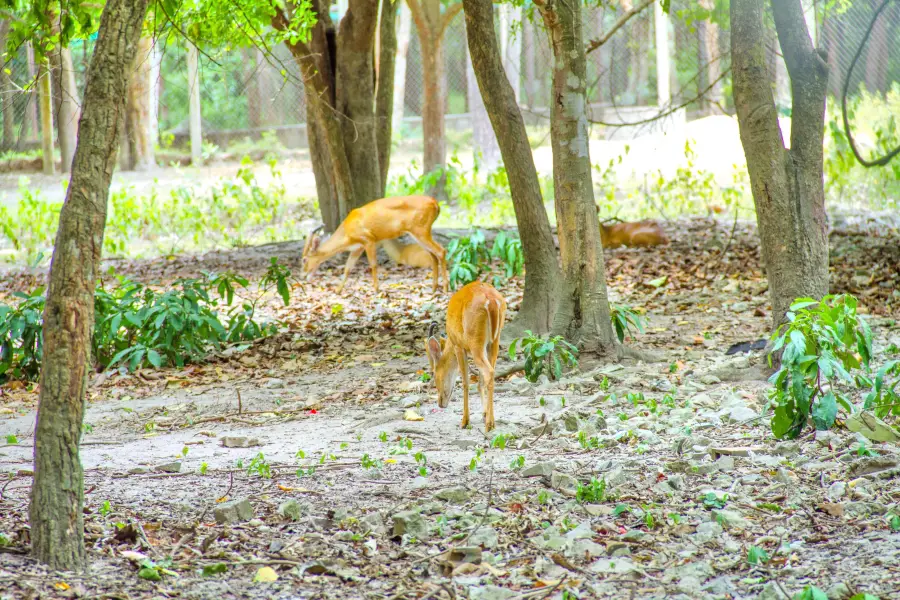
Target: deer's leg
[351,262]
[464,375]
[371,255]
[485,386]
[423,238]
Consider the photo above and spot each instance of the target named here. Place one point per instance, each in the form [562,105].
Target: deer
[380,220]
[475,316]
[638,235]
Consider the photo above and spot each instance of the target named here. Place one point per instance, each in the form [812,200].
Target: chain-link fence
[245,93]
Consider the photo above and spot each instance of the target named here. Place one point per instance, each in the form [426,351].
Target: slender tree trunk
[138,120]
[32,101]
[6,95]
[542,272]
[46,106]
[65,102]
[251,77]
[57,493]
[194,113]
[584,309]
[710,65]
[384,94]
[530,59]
[483,138]
[833,40]
[323,170]
[355,98]
[877,57]
[403,38]
[787,184]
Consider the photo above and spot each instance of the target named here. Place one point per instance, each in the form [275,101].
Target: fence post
[46,117]
[661,24]
[193,63]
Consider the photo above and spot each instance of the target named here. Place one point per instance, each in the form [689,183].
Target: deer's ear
[434,350]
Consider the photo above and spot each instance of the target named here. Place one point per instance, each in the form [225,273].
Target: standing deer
[475,316]
[365,227]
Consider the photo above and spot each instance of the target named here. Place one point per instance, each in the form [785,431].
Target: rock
[839,591]
[456,495]
[783,476]
[549,541]
[589,548]
[689,584]
[544,469]
[828,439]
[731,519]
[463,444]
[739,414]
[138,470]
[708,531]
[725,463]
[374,522]
[563,482]
[239,441]
[465,554]
[234,511]
[635,535]
[490,592]
[647,436]
[618,549]
[290,509]
[787,449]
[169,467]
[411,523]
[255,523]
[836,491]
[709,379]
[583,531]
[275,383]
[485,537]
[770,591]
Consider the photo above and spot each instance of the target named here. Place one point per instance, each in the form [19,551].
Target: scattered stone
[239,441]
[709,379]
[456,495]
[485,537]
[255,523]
[828,439]
[725,463]
[465,554]
[138,470]
[618,549]
[562,482]
[169,467]
[544,469]
[588,548]
[490,592]
[290,509]
[739,414]
[839,591]
[374,522]
[234,511]
[635,535]
[836,491]
[275,383]
[783,476]
[411,523]
[708,531]
[731,519]
[463,444]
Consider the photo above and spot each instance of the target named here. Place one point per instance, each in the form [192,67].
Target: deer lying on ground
[475,316]
[365,227]
[637,235]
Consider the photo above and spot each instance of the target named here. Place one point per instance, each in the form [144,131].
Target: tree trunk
[584,311]
[542,272]
[6,95]
[323,170]
[155,94]
[483,138]
[355,98]
[403,38]
[46,106]
[65,102]
[57,493]
[194,113]
[833,40]
[530,59]
[251,77]
[877,57]
[384,95]
[787,185]
[710,65]
[137,109]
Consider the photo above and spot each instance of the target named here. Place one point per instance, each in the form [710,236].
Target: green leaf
[150,574]
[214,569]
[757,556]
[811,593]
[825,411]
[512,349]
[154,358]
[659,282]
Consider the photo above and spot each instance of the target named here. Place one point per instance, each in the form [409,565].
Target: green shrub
[468,257]
[625,320]
[540,352]
[508,250]
[21,337]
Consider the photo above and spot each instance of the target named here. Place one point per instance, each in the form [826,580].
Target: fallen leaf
[133,556]
[265,575]
[411,415]
[61,585]
[833,509]
[659,282]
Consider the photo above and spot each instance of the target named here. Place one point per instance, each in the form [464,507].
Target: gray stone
[169,467]
[456,495]
[836,491]
[618,549]
[787,449]
[731,519]
[634,535]
[544,469]
[709,379]
[239,441]
[738,414]
[708,531]
[563,482]
[689,584]
[138,470]
[290,509]
[588,548]
[839,591]
[234,511]
[827,438]
[411,523]
[275,383]
[725,463]
[463,444]
[782,475]
[485,537]
[550,541]
[490,592]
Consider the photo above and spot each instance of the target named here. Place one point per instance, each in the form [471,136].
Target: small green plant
[383,436]
[757,556]
[711,500]
[625,320]
[589,443]
[517,463]
[21,337]
[12,440]
[368,462]
[821,342]
[153,571]
[105,508]
[467,257]
[259,466]
[501,441]
[508,250]
[203,468]
[540,353]
[422,461]
[592,492]
[479,455]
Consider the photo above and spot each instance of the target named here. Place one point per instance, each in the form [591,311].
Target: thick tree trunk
[584,309]
[57,494]
[787,185]
[542,272]
[355,98]
[137,109]
[384,94]
[65,103]
[46,107]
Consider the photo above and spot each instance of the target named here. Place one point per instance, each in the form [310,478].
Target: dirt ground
[698,500]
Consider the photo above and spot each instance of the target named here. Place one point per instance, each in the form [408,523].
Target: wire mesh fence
[245,93]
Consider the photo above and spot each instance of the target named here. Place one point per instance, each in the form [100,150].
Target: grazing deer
[637,235]
[475,316]
[365,227]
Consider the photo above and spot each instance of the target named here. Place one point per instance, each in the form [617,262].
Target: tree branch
[793,35]
[418,16]
[617,25]
[447,17]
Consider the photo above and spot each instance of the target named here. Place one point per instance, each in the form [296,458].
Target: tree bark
[65,100]
[57,493]
[530,59]
[45,101]
[137,109]
[710,65]
[251,77]
[483,138]
[194,113]
[6,95]
[403,38]
[384,94]
[542,272]
[787,184]
[877,56]
[584,308]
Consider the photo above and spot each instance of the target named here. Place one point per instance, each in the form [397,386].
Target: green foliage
[811,592]
[21,337]
[259,466]
[508,250]
[468,257]
[757,556]
[821,342]
[625,320]
[591,493]
[541,352]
